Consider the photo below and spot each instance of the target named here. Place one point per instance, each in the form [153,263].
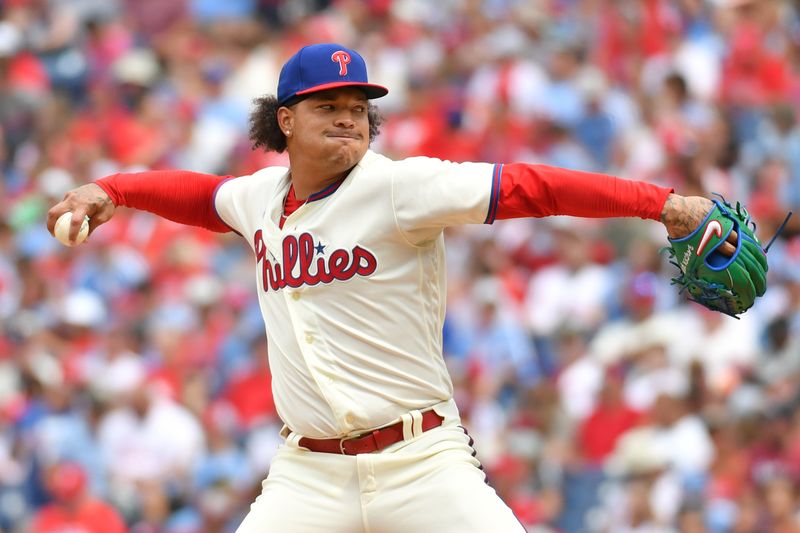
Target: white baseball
[62,229]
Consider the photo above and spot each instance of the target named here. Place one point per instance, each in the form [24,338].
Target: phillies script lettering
[300,267]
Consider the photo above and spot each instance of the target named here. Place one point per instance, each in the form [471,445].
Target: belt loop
[416,427]
[408,430]
[293,440]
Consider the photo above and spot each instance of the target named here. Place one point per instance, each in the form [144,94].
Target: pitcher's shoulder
[377,163]
[374,160]
[265,178]
[267,174]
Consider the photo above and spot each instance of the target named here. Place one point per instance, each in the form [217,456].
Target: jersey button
[309,338]
[350,418]
[296,295]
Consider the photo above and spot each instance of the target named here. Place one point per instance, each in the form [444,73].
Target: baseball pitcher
[350,275]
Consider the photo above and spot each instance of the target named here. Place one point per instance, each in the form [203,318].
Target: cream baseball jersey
[352,287]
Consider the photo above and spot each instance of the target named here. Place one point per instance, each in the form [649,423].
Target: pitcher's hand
[87,200]
[683,214]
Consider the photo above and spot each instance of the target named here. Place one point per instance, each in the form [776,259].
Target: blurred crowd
[134,381]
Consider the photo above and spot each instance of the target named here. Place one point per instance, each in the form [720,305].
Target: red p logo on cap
[343,58]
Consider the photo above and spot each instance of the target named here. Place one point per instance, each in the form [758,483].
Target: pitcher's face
[330,127]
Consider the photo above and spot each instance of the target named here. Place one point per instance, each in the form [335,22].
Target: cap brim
[371,90]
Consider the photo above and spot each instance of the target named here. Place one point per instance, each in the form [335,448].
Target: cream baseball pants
[428,483]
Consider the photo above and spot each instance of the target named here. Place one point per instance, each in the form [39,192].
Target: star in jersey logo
[320,248]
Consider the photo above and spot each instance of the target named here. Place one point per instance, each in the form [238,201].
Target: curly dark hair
[265,132]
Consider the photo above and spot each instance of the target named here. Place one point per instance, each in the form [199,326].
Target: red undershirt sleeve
[177,195]
[540,190]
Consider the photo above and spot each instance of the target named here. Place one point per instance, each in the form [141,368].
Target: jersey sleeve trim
[214,202]
[494,198]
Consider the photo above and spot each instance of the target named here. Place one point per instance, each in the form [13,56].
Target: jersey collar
[327,191]
[333,187]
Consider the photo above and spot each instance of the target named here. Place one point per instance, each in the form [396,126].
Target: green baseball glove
[726,284]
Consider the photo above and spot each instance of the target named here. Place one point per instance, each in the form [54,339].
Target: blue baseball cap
[319,67]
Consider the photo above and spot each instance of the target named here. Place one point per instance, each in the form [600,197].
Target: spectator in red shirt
[73,508]
[612,417]
[250,391]
[753,75]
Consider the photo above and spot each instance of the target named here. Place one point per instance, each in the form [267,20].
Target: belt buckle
[344,439]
